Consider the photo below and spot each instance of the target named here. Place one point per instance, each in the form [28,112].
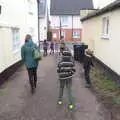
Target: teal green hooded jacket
[27,54]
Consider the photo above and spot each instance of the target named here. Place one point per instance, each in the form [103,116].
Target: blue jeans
[68,84]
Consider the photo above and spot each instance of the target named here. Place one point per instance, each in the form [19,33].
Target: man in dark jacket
[66,70]
[87,66]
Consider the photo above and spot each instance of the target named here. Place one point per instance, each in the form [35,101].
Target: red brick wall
[68,34]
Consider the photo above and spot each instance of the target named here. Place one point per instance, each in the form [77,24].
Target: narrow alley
[17,102]
[84,31]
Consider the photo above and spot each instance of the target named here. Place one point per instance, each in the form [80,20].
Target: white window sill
[105,37]
[76,36]
[16,51]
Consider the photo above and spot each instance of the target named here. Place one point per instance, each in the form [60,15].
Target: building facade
[98,4]
[101,33]
[43,19]
[17,19]
[65,18]
[69,26]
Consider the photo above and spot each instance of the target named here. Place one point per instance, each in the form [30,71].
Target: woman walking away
[27,54]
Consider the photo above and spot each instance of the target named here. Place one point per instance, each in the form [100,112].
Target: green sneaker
[87,85]
[71,106]
[60,102]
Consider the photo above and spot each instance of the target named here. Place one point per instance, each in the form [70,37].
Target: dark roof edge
[64,14]
[110,7]
[71,13]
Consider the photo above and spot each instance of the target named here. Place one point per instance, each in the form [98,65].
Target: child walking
[66,70]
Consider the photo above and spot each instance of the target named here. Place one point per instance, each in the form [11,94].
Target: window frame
[76,36]
[105,27]
[30,7]
[62,33]
[64,20]
[15,43]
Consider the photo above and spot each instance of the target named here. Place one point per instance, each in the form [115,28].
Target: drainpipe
[72,27]
[38,23]
[60,26]
[0,9]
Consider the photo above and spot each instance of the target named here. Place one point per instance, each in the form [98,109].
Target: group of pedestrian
[53,46]
[66,66]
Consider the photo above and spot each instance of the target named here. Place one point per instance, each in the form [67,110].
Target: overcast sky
[95,3]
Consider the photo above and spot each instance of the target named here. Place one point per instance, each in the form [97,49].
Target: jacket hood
[29,43]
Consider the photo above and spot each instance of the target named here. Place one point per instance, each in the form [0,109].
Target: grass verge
[107,90]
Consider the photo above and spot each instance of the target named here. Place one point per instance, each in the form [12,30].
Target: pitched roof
[69,7]
[110,7]
[42,8]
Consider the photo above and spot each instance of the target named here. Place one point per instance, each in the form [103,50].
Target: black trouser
[87,76]
[45,52]
[32,73]
[52,51]
[61,50]
[68,83]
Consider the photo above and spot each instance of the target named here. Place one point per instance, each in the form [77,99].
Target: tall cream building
[17,18]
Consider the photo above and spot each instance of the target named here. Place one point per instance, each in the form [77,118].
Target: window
[64,20]
[76,34]
[62,33]
[105,28]
[54,35]
[30,7]
[16,38]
